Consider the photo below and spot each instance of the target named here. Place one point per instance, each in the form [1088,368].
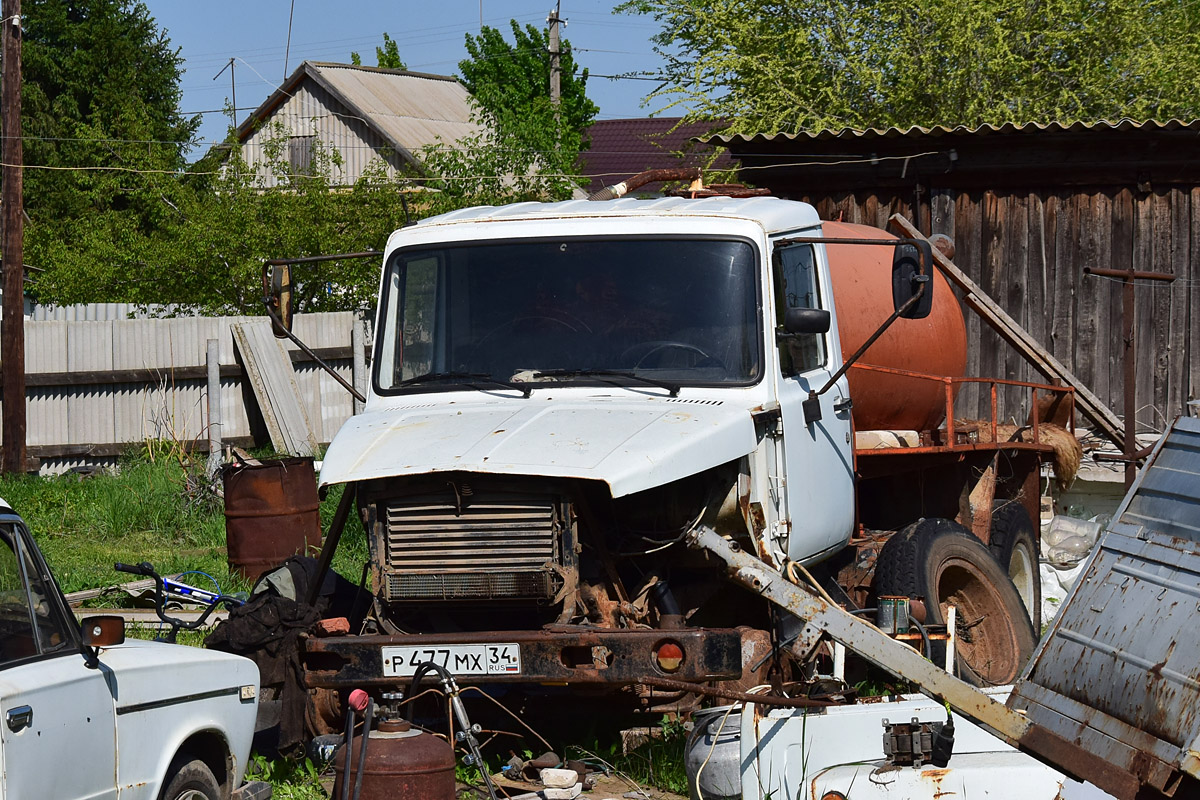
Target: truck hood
[630,444]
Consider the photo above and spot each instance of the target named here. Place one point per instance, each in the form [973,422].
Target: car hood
[630,444]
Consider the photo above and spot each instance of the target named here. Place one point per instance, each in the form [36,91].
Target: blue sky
[430,36]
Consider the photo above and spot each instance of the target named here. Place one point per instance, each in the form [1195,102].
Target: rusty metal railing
[953,384]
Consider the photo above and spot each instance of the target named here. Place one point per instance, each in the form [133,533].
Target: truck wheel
[1014,545]
[190,779]
[940,561]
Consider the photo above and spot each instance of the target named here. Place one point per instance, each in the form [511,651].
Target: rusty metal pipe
[362,753]
[730,694]
[642,178]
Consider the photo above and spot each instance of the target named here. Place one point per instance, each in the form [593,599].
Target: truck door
[818,464]
[57,717]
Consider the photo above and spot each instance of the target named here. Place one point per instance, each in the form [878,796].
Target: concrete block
[559,778]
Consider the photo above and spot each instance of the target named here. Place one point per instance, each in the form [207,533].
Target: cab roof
[773,213]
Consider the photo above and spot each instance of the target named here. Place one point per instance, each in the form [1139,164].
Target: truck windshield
[675,311]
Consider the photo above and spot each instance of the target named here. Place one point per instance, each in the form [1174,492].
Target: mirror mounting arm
[812,406]
[308,351]
[91,656]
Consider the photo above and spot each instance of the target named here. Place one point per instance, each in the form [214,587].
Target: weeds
[290,779]
[659,762]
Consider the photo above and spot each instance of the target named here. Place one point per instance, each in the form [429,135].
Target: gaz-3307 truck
[562,393]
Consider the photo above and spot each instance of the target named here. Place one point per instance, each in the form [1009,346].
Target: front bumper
[557,654]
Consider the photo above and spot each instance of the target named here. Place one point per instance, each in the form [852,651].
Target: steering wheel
[644,350]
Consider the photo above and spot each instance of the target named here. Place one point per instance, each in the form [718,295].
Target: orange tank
[936,345]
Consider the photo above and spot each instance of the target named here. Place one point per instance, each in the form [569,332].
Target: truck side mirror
[104,630]
[277,285]
[912,268]
[806,320]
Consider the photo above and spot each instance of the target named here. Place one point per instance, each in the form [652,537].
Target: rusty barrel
[270,513]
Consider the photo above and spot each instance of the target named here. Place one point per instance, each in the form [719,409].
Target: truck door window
[30,623]
[412,310]
[796,287]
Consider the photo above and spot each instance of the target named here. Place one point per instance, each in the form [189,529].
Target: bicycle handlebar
[160,600]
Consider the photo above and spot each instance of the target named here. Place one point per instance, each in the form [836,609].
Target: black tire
[940,562]
[190,779]
[1014,543]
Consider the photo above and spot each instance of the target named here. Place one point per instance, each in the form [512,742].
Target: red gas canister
[401,762]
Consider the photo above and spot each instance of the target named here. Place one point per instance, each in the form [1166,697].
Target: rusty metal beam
[1008,328]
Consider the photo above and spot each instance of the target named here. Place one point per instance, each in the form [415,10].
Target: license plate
[458,659]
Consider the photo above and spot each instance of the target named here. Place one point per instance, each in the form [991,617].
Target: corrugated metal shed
[365,113]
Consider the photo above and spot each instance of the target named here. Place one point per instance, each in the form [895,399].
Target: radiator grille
[459,586]
[498,546]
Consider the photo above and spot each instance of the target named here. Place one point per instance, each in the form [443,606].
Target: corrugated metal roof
[916,131]
[409,109]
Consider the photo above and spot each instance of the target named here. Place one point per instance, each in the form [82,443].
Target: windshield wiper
[602,374]
[467,379]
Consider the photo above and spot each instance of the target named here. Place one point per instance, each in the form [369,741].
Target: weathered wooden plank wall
[1028,249]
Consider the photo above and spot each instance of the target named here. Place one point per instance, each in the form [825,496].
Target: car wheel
[190,779]
[1014,545]
[940,561]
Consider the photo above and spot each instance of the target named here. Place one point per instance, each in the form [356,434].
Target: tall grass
[152,507]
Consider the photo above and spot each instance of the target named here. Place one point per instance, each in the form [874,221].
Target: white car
[88,715]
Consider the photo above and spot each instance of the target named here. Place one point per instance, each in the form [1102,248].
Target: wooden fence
[1029,206]
[1028,249]
[96,388]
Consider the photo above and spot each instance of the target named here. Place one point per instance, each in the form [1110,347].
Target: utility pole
[12,253]
[233,81]
[555,67]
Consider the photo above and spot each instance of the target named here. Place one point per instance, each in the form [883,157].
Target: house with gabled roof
[365,113]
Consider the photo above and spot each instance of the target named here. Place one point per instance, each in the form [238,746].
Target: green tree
[100,88]
[104,138]
[387,56]
[510,83]
[770,66]
[227,216]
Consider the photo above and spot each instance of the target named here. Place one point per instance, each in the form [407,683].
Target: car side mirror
[912,268]
[277,295]
[103,630]
[806,320]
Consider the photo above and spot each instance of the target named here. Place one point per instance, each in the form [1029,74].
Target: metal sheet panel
[169,407]
[1119,670]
